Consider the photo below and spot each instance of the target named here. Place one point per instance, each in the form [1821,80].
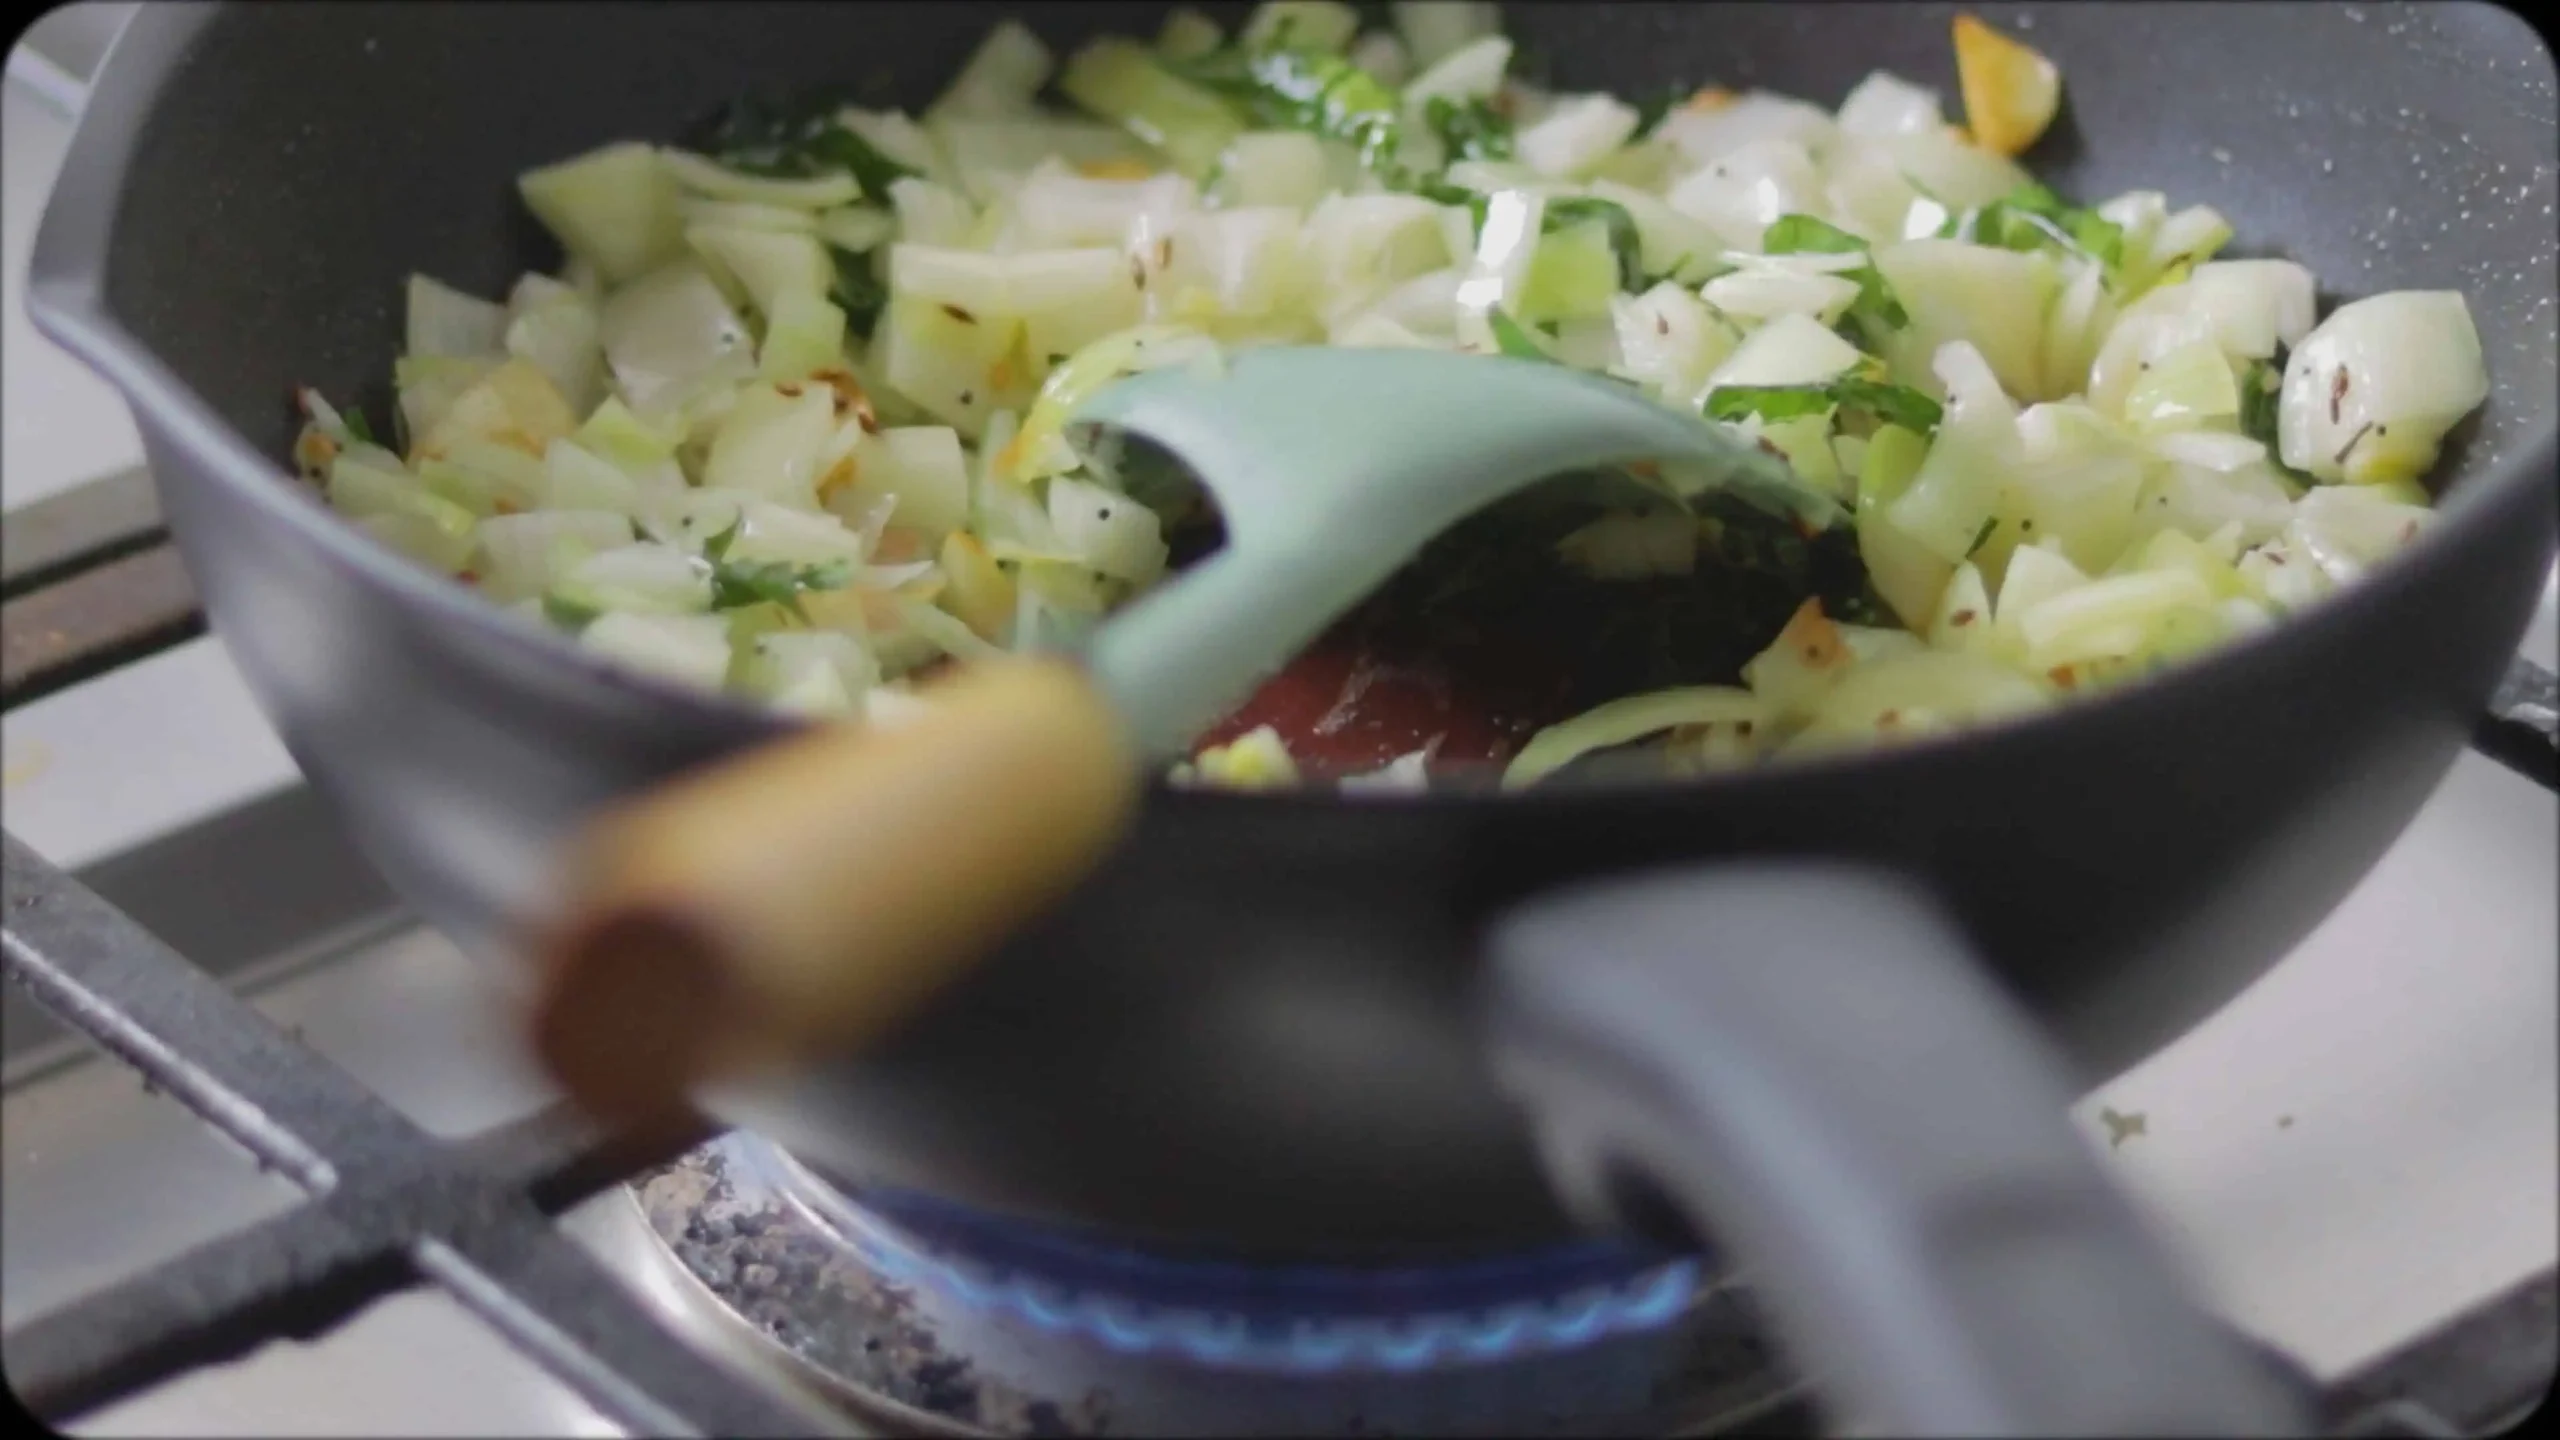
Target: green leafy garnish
[739,583]
[793,140]
[1323,95]
[1513,340]
[1877,310]
[2032,217]
[1891,404]
[1469,129]
[1624,241]
[358,429]
[2261,385]
[856,291]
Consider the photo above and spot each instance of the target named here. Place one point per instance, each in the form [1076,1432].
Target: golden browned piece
[799,900]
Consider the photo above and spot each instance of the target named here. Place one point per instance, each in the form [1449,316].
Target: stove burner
[909,1309]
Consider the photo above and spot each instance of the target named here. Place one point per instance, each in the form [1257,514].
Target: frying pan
[1266,1024]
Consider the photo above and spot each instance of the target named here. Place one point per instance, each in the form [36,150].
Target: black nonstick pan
[1267,1024]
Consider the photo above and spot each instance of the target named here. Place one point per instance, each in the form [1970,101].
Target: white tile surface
[136,752]
[2369,1138]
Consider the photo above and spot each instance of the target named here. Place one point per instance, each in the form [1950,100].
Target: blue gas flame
[1301,1321]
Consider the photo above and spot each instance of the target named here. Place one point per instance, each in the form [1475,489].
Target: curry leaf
[1877,309]
[1893,404]
[1468,130]
[794,139]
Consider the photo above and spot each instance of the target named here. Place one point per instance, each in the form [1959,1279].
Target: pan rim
[66,299]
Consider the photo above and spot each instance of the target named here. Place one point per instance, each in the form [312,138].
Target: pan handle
[1806,1062]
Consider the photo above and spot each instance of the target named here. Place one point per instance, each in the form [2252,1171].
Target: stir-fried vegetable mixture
[791,419]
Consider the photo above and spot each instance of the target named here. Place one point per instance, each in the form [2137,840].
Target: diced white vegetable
[1274,167]
[764,263]
[1755,117]
[2182,389]
[2254,306]
[897,137]
[803,334]
[949,361]
[513,404]
[931,214]
[444,321]
[1576,135]
[670,334]
[1323,25]
[1358,243]
[1384,56]
[1909,697]
[688,649]
[1790,350]
[1435,29]
[1108,532]
[1991,299]
[1957,175]
[552,327]
[1670,342]
[1473,71]
[1886,104]
[923,470]
[1057,207]
[1671,243]
[1633,547]
[1765,291]
[697,175]
[2370,393]
[614,208]
[1977,450]
[524,554]
[1001,76]
[575,478]
[642,578]
[1742,191]
[770,442]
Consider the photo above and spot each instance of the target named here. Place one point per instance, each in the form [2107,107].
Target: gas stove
[311,1188]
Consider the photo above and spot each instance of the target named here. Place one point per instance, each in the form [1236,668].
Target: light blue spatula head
[1332,468]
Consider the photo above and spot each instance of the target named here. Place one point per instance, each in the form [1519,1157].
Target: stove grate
[388,1205]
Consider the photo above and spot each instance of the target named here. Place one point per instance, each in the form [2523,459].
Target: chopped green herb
[1324,95]
[2260,386]
[1807,234]
[857,291]
[794,139]
[1469,129]
[358,429]
[2032,217]
[1877,310]
[739,583]
[1769,402]
[1982,536]
[1514,341]
[1892,404]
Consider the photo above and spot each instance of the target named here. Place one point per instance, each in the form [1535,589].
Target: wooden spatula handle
[799,899]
